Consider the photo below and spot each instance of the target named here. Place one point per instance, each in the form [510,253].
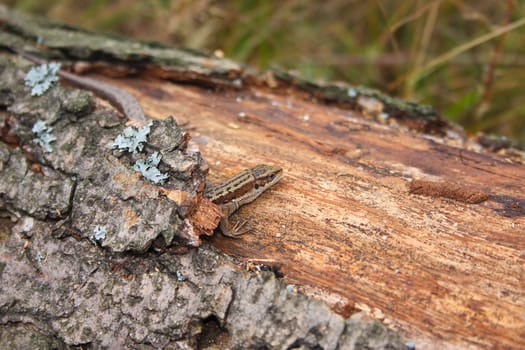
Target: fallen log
[384,208]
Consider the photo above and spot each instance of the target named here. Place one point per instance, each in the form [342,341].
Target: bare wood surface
[343,225]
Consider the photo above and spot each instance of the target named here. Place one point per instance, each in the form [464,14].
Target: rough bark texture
[83,181]
[71,293]
[384,207]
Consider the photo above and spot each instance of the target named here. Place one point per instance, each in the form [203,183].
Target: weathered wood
[344,224]
[447,274]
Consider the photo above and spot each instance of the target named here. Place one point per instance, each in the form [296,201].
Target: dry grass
[467,58]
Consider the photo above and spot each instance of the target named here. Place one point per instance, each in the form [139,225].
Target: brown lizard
[239,190]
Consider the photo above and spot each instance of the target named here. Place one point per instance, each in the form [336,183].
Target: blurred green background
[466,58]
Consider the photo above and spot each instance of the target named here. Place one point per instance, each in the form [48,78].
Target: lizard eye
[256,186]
[272,176]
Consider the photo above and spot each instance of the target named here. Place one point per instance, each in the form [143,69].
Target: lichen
[43,135]
[41,78]
[99,233]
[132,140]
[148,169]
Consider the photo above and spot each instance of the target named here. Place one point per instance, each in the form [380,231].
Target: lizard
[235,192]
[241,189]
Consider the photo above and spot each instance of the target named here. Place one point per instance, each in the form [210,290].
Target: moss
[420,117]
[67,147]
[77,102]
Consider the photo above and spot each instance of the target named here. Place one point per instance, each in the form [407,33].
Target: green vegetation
[466,58]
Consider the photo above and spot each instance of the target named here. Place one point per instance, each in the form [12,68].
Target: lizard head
[266,175]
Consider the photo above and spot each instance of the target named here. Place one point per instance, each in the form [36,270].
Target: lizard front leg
[227,228]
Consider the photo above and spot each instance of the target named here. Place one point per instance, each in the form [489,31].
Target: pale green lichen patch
[40,78]
[99,233]
[43,135]
[148,169]
[132,139]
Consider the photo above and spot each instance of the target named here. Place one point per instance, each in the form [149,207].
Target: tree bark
[385,208]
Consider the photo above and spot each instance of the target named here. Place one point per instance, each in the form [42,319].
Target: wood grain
[342,224]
